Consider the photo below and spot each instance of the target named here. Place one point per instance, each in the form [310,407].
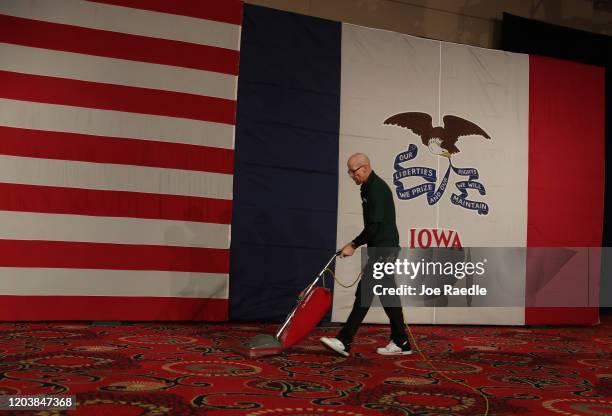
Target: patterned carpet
[190,369]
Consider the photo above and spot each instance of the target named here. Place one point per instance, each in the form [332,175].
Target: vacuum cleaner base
[309,310]
[262,345]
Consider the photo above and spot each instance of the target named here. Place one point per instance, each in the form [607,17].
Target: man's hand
[347,250]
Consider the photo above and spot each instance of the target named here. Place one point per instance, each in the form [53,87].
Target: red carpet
[190,369]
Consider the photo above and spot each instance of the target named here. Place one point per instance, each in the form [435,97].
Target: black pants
[363,301]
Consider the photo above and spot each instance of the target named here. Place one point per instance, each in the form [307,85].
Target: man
[380,231]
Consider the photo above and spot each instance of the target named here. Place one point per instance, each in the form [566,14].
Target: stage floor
[188,369]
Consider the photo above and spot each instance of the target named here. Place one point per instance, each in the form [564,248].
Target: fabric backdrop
[131,151]
[116,158]
[286,178]
[528,182]
[530,36]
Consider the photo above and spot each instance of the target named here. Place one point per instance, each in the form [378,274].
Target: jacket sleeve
[366,234]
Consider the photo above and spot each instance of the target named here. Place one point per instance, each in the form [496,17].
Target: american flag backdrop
[116,158]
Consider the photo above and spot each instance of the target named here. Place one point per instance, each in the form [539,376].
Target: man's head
[359,168]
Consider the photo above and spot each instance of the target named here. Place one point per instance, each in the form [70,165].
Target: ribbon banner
[429,187]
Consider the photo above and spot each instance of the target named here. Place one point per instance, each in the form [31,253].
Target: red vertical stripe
[566,169]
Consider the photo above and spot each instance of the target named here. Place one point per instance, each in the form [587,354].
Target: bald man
[381,236]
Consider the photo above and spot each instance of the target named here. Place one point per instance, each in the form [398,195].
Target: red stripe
[111,308]
[56,200]
[228,11]
[79,255]
[63,91]
[566,170]
[69,38]
[97,149]
[561,316]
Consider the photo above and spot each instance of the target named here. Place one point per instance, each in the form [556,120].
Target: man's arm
[367,234]
[376,214]
[349,249]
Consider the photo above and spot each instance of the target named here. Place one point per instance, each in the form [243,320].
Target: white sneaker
[392,349]
[335,345]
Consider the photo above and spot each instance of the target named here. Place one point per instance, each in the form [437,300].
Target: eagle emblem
[441,141]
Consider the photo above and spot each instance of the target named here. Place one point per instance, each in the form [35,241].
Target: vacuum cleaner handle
[306,291]
[336,254]
[314,282]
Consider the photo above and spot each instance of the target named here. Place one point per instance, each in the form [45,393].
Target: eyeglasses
[352,172]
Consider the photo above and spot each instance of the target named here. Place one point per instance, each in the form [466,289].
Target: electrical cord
[339,282]
[416,346]
[428,361]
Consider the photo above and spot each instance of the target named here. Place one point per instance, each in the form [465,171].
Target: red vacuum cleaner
[312,304]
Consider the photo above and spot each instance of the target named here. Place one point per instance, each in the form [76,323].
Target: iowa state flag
[524,134]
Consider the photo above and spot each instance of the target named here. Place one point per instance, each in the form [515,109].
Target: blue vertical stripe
[286,160]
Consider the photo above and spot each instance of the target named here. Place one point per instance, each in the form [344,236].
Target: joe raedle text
[424,290]
[427,273]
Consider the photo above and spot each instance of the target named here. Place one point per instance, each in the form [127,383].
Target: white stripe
[117,230]
[489,88]
[92,282]
[126,20]
[31,115]
[34,171]
[36,61]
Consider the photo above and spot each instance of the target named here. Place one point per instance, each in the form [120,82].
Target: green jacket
[379,228]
